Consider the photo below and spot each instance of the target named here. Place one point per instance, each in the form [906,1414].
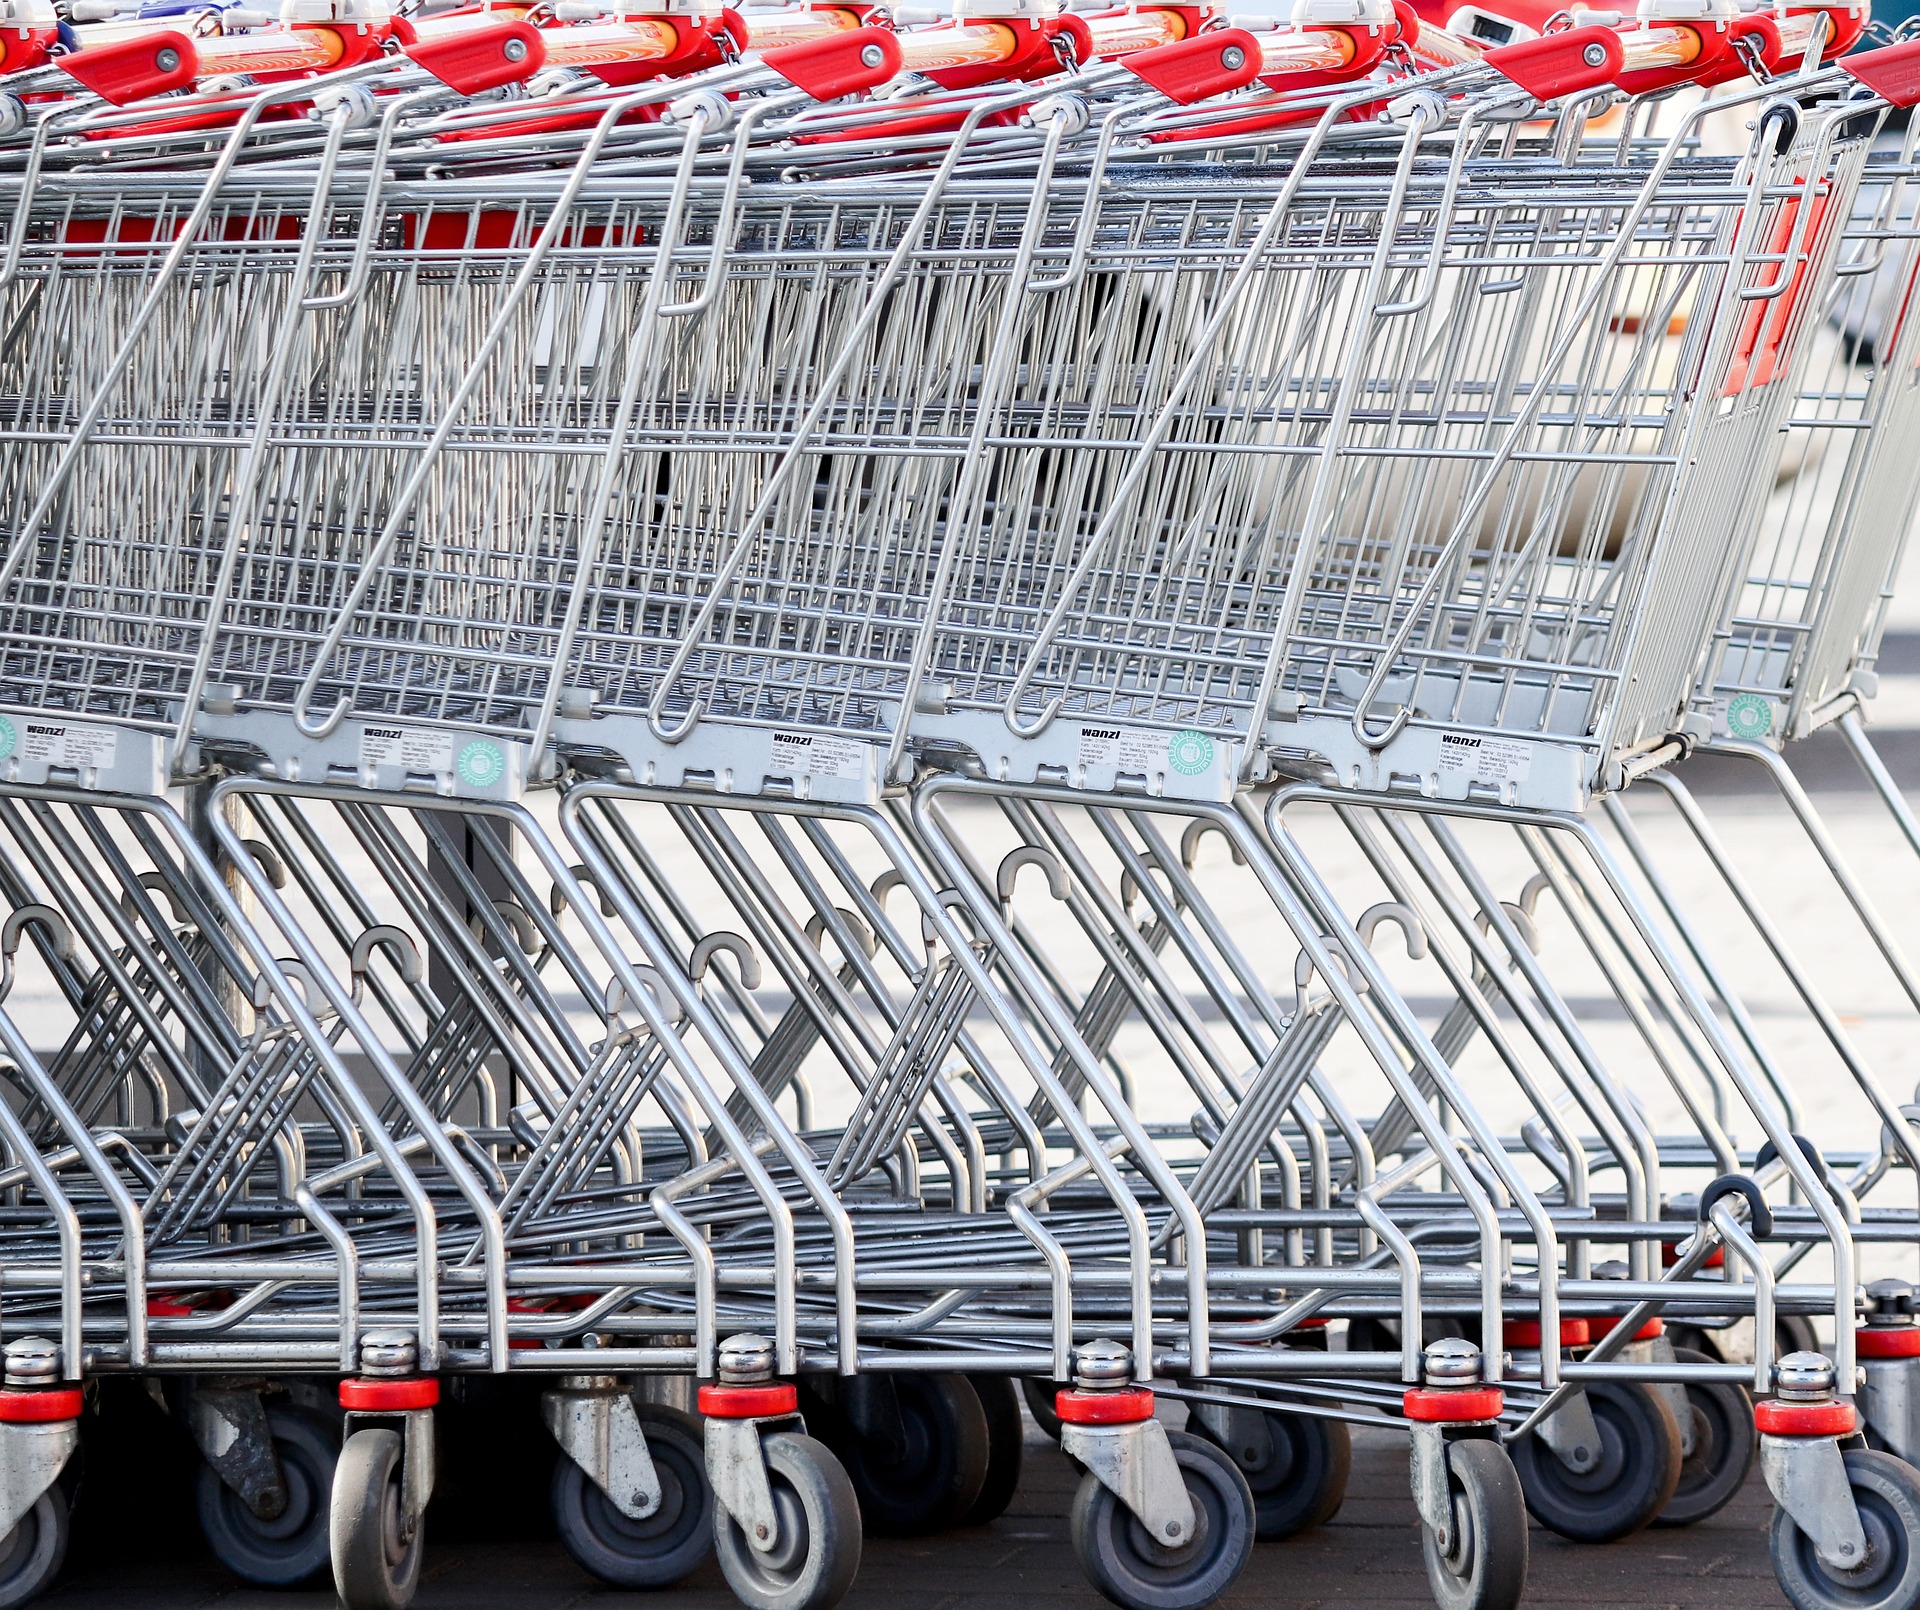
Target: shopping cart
[746,420]
[1792,655]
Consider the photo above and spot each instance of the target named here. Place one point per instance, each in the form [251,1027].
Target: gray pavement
[1368,1557]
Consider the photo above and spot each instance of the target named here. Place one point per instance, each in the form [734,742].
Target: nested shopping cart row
[645,605]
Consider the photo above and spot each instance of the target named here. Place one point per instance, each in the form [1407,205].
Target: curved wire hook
[954,902]
[862,935]
[1198,829]
[558,899]
[1304,968]
[1522,919]
[1010,711]
[268,857]
[397,942]
[160,886]
[525,934]
[1531,891]
[295,972]
[736,946]
[59,935]
[1030,855]
[1412,930]
[1130,885]
[616,998]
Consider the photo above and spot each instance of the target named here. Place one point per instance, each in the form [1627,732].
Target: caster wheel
[291,1548]
[1006,1438]
[374,1567]
[929,1478]
[1136,1571]
[817,1552]
[671,1542]
[1484,1566]
[1696,1338]
[32,1553]
[1632,1480]
[1888,1493]
[1298,1473]
[1039,1395]
[1724,1444]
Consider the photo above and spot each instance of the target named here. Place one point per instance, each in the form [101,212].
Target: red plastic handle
[840,64]
[1026,51]
[1561,64]
[133,69]
[1206,65]
[478,59]
[1844,27]
[1892,73]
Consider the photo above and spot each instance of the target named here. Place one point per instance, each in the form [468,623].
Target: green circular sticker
[1749,715]
[1190,753]
[481,764]
[8,737]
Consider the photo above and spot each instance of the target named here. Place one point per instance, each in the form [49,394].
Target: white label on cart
[1485,760]
[1125,748]
[418,751]
[55,743]
[1141,751]
[811,755]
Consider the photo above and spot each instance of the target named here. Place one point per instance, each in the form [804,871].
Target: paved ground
[1369,1557]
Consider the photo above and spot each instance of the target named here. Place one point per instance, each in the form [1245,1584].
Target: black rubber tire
[1632,1481]
[934,1478]
[1697,1338]
[33,1552]
[1040,1395]
[1888,1493]
[1724,1446]
[669,1544]
[1298,1478]
[294,1547]
[1134,1570]
[817,1553]
[373,1568]
[1486,1568]
[1006,1447]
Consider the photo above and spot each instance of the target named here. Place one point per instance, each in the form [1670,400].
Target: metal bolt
[166,60]
[32,1361]
[1233,58]
[1804,1377]
[746,1360]
[1101,1365]
[514,50]
[388,1352]
[1451,1361]
[872,56]
[760,1531]
[1173,1528]
[1595,55]
[1890,1302]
